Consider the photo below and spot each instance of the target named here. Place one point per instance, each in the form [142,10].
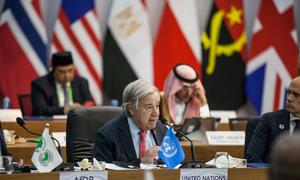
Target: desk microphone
[177,130]
[21,123]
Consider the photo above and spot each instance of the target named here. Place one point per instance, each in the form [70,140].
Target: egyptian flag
[224,50]
[128,50]
[177,40]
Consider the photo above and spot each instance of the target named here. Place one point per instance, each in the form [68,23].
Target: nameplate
[10,115]
[223,115]
[203,174]
[225,137]
[61,138]
[83,175]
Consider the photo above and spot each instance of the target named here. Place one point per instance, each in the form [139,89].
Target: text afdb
[84,178]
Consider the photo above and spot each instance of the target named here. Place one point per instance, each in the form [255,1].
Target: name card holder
[225,137]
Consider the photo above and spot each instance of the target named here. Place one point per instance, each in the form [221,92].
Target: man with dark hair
[60,90]
[273,124]
[134,136]
[285,159]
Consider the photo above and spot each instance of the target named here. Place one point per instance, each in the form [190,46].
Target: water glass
[6,165]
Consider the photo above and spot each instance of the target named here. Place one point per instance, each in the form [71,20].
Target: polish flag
[178,39]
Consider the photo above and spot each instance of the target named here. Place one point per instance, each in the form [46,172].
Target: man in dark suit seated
[136,135]
[274,124]
[60,90]
[3,148]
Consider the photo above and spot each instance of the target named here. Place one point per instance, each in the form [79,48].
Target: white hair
[136,90]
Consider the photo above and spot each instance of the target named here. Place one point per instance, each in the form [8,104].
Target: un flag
[171,152]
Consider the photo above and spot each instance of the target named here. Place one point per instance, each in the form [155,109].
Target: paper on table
[114,167]
[59,117]
[233,162]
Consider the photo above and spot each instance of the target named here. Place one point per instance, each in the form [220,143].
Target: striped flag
[77,30]
[23,54]
[273,56]
[128,50]
[177,40]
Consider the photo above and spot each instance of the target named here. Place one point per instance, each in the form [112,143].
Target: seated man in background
[274,124]
[184,96]
[285,159]
[60,90]
[134,136]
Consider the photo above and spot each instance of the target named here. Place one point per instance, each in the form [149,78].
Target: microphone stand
[191,142]
[188,164]
[21,123]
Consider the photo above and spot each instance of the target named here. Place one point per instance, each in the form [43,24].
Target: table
[202,151]
[161,174]
[57,126]
[36,126]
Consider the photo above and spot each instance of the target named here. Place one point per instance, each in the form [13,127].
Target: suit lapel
[52,90]
[75,88]
[126,139]
[283,122]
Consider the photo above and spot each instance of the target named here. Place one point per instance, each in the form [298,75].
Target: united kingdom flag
[77,30]
[273,56]
[22,48]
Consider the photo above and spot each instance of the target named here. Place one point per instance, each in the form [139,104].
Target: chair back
[250,128]
[82,125]
[209,123]
[25,104]
[238,124]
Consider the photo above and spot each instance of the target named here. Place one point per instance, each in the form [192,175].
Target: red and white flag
[23,55]
[273,56]
[178,39]
[77,30]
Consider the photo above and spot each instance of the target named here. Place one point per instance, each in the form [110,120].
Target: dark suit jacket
[114,141]
[4,150]
[44,97]
[268,129]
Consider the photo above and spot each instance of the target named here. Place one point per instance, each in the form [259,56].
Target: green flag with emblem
[45,156]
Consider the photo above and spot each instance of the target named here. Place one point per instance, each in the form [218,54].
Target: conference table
[58,125]
[24,150]
[159,174]
[203,152]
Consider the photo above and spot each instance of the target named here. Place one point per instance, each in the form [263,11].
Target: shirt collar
[60,85]
[133,127]
[293,118]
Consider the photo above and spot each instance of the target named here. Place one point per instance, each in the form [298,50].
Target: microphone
[187,138]
[21,123]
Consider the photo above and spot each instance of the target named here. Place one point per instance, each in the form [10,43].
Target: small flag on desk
[45,156]
[170,151]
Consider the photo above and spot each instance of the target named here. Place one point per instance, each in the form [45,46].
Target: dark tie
[142,143]
[297,127]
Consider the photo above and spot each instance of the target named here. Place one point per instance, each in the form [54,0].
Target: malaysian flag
[23,54]
[273,56]
[77,30]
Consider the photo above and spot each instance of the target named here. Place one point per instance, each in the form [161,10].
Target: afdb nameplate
[83,175]
[225,137]
[204,174]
